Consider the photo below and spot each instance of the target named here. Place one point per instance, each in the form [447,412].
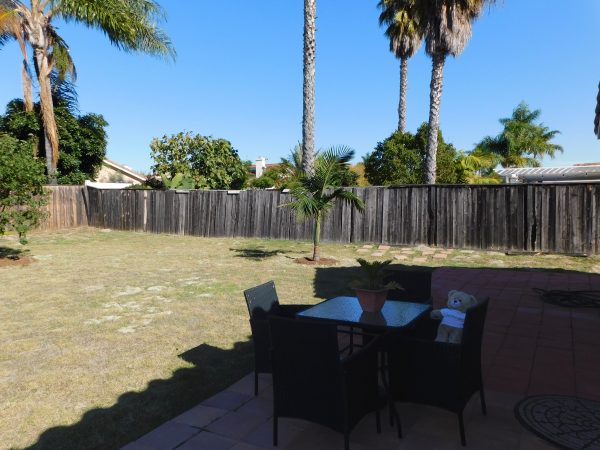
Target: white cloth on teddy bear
[453,318]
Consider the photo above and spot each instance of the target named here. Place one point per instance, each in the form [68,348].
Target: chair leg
[483,405]
[255,383]
[378,421]
[346,440]
[394,416]
[461,426]
[274,431]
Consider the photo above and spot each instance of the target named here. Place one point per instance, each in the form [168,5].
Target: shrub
[212,163]
[400,159]
[22,194]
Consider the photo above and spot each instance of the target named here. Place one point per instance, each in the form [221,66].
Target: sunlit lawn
[108,334]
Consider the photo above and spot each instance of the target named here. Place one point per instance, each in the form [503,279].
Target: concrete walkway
[529,348]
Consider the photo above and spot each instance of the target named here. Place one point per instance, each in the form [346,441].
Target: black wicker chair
[438,373]
[262,302]
[415,281]
[312,382]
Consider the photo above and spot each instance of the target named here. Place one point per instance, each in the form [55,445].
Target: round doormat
[568,422]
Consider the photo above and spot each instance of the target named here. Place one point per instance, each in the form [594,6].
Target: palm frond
[348,196]
[60,57]
[130,25]
[304,204]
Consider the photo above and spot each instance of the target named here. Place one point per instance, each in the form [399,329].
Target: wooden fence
[557,218]
[66,208]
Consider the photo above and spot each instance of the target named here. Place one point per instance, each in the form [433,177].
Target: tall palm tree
[523,142]
[405,37]
[447,28]
[130,25]
[308,94]
[316,193]
[11,28]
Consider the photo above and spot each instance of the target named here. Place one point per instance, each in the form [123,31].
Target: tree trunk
[26,79]
[27,91]
[308,111]
[403,91]
[435,97]
[316,239]
[47,107]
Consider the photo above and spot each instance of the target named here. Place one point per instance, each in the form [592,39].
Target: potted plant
[371,292]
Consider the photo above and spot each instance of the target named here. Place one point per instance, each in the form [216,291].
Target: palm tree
[405,37]
[477,167]
[523,142]
[316,193]
[308,94]
[11,28]
[130,25]
[447,27]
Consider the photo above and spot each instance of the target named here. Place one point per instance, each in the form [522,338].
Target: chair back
[261,300]
[472,336]
[415,281]
[307,374]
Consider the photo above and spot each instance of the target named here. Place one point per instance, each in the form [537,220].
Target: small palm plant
[315,194]
[374,275]
[372,292]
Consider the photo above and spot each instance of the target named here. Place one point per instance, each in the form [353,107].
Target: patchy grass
[109,334]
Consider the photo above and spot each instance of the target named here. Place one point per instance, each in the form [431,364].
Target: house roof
[556,174]
[124,170]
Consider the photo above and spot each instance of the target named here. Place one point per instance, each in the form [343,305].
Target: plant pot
[371,300]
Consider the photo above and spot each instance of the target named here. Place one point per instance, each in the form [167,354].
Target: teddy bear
[453,317]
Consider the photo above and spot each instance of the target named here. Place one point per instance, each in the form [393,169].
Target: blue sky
[238,76]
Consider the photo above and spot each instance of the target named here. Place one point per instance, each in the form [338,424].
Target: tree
[404,32]
[21,187]
[447,27]
[523,142]
[83,137]
[130,25]
[308,91]
[11,27]
[400,159]
[212,163]
[477,167]
[316,194]
[288,173]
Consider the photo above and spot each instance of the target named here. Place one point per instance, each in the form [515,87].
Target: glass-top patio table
[347,311]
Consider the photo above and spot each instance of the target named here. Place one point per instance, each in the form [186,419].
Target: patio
[529,348]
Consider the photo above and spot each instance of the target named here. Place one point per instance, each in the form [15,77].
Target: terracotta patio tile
[553,356]
[556,342]
[200,416]
[235,425]
[513,386]
[136,446]
[206,440]
[229,400]
[524,330]
[259,407]
[262,436]
[168,436]
[244,446]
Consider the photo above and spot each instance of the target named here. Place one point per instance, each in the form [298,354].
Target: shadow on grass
[256,254]
[137,413]
[10,253]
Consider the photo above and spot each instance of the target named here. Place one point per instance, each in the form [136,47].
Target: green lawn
[108,334]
